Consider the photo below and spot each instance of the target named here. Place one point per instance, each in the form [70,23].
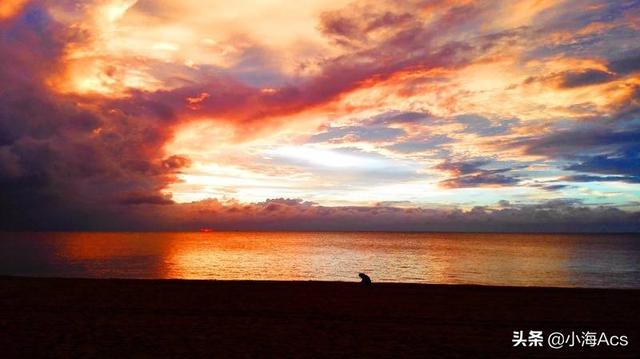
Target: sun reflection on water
[493,259]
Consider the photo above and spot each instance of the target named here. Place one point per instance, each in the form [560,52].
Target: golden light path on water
[491,259]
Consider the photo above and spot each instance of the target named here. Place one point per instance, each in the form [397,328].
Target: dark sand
[138,318]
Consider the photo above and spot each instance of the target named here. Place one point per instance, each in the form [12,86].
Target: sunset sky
[320,115]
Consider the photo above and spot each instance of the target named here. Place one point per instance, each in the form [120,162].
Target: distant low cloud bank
[158,214]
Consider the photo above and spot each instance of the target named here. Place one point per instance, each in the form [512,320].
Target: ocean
[550,260]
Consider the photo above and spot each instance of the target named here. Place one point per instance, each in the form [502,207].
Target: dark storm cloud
[60,163]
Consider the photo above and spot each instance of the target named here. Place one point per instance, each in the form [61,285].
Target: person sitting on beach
[365,279]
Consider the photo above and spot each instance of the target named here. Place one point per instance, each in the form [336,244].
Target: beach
[46,317]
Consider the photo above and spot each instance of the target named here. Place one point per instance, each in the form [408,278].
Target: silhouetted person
[365,279]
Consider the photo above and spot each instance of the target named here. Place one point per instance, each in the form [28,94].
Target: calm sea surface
[499,259]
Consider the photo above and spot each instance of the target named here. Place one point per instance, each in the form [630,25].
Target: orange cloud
[145,98]
[9,8]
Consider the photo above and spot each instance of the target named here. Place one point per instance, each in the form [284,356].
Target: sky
[320,115]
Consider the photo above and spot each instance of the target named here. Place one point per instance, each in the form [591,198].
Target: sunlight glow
[325,157]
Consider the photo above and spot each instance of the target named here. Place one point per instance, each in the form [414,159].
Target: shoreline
[61,317]
[578,233]
[328,282]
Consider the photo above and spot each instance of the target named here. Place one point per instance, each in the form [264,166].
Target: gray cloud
[470,174]
[359,133]
[592,178]
[482,126]
[571,79]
